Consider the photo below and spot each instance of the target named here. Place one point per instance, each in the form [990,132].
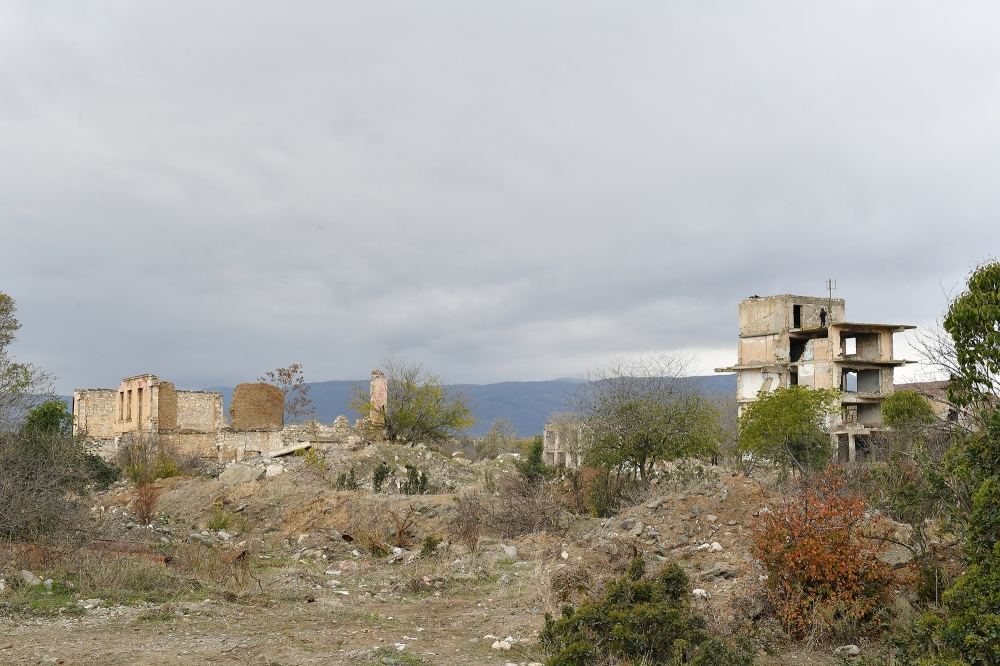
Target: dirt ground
[325,598]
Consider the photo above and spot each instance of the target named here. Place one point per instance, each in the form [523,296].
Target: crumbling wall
[194,444]
[379,398]
[95,412]
[199,411]
[257,407]
[167,406]
[238,444]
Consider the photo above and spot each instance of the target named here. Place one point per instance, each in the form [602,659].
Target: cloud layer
[502,190]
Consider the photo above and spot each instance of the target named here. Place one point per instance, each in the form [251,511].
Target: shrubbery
[637,619]
[824,577]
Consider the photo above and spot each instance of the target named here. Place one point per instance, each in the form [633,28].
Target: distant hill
[526,404]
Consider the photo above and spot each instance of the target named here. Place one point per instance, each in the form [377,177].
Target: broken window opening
[139,405]
[796,349]
[121,406]
[850,346]
[843,449]
[849,381]
[796,316]
[793,377]
[862,448]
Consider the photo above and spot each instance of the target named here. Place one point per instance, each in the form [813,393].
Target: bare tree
[298,405]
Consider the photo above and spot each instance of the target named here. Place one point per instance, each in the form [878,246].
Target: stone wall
[239,444]
[94,412]
[196,444]
[167,407]
[257,407]
[199,411]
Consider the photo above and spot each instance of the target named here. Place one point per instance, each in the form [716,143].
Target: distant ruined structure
[193,423]
[790,340]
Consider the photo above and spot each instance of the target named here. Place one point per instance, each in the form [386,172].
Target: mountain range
[527,404]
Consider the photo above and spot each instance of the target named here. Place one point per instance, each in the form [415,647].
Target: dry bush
[523,508]
[402,527]
[144,503]
[570,582]
[824,575]
[466,525]
[145,457]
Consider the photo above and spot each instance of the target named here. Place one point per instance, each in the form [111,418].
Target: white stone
[274,469]
[509,551]
[848,650]
[701,593]
[501,645]
[716,547]
[30,578]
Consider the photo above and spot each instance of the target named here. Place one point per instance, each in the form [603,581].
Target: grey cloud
[503,190]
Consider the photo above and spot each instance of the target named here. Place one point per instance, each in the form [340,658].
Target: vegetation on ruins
[419,408]
[637,619]
[292,382]
[638,413]
[786,426]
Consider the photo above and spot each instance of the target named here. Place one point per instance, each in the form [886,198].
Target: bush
[523,507]
[347,480]
[144,458]
[379,476]
[466,526]
[533,467]
[824,576]
[636,620]
[416,481]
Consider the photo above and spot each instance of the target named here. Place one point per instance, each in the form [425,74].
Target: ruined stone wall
[197,444]
[239,444]
[167,407]
[257,407]
[94,413]
[199,411]
[379,398]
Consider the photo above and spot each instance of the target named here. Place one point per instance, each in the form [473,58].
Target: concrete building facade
[788,340]
[563,444]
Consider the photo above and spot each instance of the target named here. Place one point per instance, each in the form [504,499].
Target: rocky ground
[313,591]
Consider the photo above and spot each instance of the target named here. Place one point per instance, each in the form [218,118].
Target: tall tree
[21,384]
[418,408]
[292,382]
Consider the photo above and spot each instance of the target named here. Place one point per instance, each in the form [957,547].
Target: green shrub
[431,542]
[637,619]
[416,481]
[347,480]
[533,467]
[379,476]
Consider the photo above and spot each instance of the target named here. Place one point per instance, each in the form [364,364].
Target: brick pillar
[379,399]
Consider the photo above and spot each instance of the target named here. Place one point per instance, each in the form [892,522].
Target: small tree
[640,412]
[419,408]
[786,426]
[533,467]
[291,381]
[50,418]
[501,438]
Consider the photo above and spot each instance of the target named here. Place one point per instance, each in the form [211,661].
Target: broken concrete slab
[239,473]
[288,450]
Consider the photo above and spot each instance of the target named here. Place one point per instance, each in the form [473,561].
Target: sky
[500,190]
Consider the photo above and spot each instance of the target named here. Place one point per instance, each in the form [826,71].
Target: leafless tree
[291,381]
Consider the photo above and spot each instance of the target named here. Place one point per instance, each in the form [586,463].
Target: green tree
[969,632]
[533,467]
[418,407]
[50,418]
[21,384]
[638,413]
[787,426]
[905,409]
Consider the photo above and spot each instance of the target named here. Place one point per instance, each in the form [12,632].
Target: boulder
[29,578]
[238,473]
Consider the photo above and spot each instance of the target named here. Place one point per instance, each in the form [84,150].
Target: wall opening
[862,448]
[869,381]
[843,448]
[796,349]
[128,405]
[796,316]
[121,406]
[850,346]
[793,376]
[138,406]
[849,381]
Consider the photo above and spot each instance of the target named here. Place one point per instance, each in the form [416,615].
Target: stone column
[379,399]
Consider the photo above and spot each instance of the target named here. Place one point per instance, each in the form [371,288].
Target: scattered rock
[653,504]
[848,651]
[701,593]
[238,473]
[3,586]
[224,535]
[716,571]
[716,547]
[274,469]
[501,645]
[47,584]
[29,578]
[711,517]
[510,552]
[89,604]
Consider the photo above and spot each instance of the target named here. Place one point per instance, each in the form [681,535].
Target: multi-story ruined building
[803,340]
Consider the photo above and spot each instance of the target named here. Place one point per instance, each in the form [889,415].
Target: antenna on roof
[831,285]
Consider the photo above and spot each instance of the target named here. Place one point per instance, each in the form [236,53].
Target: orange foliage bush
[824,575]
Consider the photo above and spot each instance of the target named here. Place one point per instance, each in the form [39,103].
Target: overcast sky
[499,189]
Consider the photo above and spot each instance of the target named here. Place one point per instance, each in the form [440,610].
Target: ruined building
[189,422]
[803,340]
